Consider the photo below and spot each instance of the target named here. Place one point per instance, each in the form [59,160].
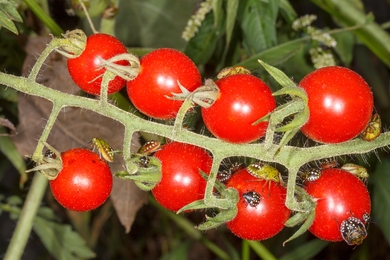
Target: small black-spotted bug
[310,175]
[225,175]
[353,231]
[252,198]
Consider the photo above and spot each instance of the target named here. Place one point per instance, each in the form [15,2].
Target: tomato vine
[291,157]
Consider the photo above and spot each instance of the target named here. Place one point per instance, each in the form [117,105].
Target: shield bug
[357,170]
[373,129]
[353,231]
[252,198]
[232,71]
[264,171]
[103,148]
[225,175]
[310,175]
[149,147]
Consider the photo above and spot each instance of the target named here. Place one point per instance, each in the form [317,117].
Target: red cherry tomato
[261,209]
[243,99]
[85,70]
[340,104]
[160,72]
[85,181]
[340,195]
[181,182]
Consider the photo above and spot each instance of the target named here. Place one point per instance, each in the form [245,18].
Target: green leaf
[281,78]
[231,14]
[61,241]
[344,48]
[287,11]
[372,35]
[257,21]
[8,14]
[306,251]
[217,9]
[153,23]
[201,47]
[7,23]
[274,55]
[381,197]
[8,148]
[9,8]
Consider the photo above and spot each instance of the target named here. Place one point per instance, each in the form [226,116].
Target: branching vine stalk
[292,158]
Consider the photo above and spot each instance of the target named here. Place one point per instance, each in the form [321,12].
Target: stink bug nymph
[103,148]
[353,231]
[252,198]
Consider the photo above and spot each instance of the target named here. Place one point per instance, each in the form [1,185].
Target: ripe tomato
[243,99]
[85,69]
[340,195]
[85,181]
[261,209]
[340,104]
[161,69]
[181,182]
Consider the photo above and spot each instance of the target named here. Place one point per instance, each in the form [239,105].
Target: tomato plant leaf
[60,240]
[258,24]
[154,23]
[8,14]
[344,48]
[202,46]
[274,55]
[381,197]
[287,11]
[231,14]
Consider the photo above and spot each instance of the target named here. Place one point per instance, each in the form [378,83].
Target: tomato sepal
[303,228]
[145,175]
[49,165]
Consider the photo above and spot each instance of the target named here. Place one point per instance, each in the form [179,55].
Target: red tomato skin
[85,181]
[266,219]
[161,69]
[243,99]
[340,195]
[181,182]
[84,69]
[340,103]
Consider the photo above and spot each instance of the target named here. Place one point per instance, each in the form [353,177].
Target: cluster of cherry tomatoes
[340,104]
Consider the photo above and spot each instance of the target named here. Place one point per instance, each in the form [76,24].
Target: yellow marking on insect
[232,71]
[103,148]
[264,171]
[357,170]
[373,129]
[149,147]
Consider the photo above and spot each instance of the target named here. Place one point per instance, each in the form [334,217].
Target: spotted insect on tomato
[353,231]
[328,163]
[264,171]
[357,170]
[310,175]
[232,71]
[149,147]
[50,154]
[252,198]
[373,130]
[103,148]
[225,175]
